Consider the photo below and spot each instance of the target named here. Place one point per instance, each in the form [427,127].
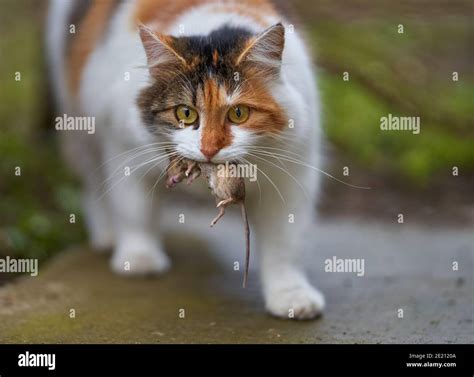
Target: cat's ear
[266,49]
[159,50]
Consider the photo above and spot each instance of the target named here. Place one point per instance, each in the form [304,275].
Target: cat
[211,81]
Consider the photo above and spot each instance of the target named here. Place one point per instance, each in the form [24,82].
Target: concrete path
[407,267]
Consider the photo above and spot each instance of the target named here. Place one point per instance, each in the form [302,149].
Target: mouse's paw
[195,174]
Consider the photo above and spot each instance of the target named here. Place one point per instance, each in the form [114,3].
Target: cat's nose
[209,152]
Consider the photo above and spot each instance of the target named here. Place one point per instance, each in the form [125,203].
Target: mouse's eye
[238,114]
[186,115]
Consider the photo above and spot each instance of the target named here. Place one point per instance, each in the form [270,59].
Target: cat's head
[213,95]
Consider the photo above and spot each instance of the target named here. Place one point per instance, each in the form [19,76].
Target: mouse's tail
[247,242]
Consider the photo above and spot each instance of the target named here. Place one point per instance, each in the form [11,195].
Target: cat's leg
[138,250]
[96,211]
[98,218]
[281,230]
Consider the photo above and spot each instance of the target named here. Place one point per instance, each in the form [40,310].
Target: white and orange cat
[211,81]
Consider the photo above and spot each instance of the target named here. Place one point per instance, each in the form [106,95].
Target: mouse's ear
[266,49]
[160,51]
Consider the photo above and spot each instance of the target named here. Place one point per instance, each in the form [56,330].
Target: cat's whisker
[156,164]
[116,184]
[135,168]
[284,170]
[284,138]
[157,161]
[139,149]
[302,163]
[151,160]
[265,148]
[130,159]
[271,182]
[260,147]
[245,161]
[129,152]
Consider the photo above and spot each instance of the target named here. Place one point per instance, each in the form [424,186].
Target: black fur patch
[227,41]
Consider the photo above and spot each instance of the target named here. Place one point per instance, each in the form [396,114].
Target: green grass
[34,206]
[351,121]
[407,74]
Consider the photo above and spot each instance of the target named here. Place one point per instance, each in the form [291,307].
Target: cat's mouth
[215,160]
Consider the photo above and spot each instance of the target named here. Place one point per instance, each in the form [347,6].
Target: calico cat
[211,80]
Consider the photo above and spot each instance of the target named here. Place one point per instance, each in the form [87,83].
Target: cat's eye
[238,114]
[186,115]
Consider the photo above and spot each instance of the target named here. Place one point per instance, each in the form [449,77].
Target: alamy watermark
[396,123]
[355,265]
[71,123]
[46,360]
[237,171]
[13,265]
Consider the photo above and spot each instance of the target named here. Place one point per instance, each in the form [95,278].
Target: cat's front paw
[299,301]
[133,260]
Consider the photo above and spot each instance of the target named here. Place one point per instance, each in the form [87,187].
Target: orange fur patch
[164,12]
[215,132]
[161,12]
[256,10]
[89,31]
[266,116]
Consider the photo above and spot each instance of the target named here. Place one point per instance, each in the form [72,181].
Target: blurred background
[408,74]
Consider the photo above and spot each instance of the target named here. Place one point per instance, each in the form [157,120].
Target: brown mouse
[225,188]
[228,190]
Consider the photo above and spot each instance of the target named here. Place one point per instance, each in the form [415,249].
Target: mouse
[228,190]
[225,188]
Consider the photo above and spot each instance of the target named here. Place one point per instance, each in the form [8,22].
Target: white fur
[126,217]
